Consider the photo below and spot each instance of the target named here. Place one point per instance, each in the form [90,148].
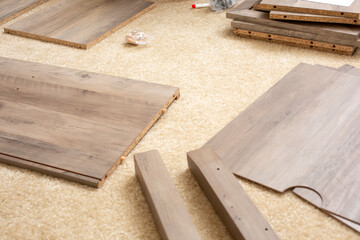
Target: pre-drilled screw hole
[17,89]
[285,16]
[274,6]
[342,13]
[266,229]
[218,169]
[311,42]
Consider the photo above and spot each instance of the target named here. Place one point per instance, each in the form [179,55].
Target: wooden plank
[304,132]
[340,31]
[235,208]
[290,16]
[297,42]
[79,23]
[10,9]
[291,33]
[49,117]
[303,6]
[170,214]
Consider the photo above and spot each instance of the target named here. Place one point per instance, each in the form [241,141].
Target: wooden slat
[79,23]
[304,132]
[303,6]
[332,41]
[297,42]
[10,9]
[239,214]
[335,30]
[74,123]
[169,211]
[290,16]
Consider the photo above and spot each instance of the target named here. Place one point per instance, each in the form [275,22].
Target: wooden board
[79,23]
[296,34]
[301,6]
[73,124]
[297,42]
[170,214]
[290,16]
[303,132]
[235,208]
[335,30]
[10,9]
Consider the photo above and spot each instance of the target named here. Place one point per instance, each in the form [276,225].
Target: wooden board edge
[303,43]
[123,156]
[21,12]
[313,18]
[48,170]
[269,7]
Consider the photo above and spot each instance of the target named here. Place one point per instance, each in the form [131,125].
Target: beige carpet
[219,76]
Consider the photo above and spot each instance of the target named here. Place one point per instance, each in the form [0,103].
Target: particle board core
[73,124]
[10,9]
[297,42]
[79,23]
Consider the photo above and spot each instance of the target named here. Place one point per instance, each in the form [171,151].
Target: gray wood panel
[341,31]
[170,214]
[304,131]
[10,9]
[235,208]
[353,11]
[79,23]
[70,123]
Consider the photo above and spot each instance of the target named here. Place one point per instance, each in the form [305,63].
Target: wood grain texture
[169,211]
[297,42]
[235,208]
[73,124]
[295,34]
[303,132]
[79,23]
[290,16]
[10,9]
[301,6]
[336,30]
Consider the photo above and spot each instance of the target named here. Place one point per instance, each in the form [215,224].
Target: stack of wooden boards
[73,124]
[302,134]
[250,22]
[75,23]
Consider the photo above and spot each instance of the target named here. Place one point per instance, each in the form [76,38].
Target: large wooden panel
[239,214]
[335,30]
[304,6]
[294,34]
[169,211]
[303,132]
[297,42]
[73,124]
[290,16]
[79,23]
[10,9]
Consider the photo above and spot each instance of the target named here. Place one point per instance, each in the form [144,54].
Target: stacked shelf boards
[250,23]
[74,124]
[10,9]
[79,23]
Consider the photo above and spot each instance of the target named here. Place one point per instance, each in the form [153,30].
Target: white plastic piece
[138,38]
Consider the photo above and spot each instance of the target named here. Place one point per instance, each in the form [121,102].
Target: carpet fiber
[219,75]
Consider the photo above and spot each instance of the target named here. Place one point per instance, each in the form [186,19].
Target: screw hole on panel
[269,36]
[274,6]
[218,169]
[311,42]
[333,50]
[342,13]
[355,21]
[266,229]
[285,16]
[334,46]
[249,32]
[311,46]
[17,89]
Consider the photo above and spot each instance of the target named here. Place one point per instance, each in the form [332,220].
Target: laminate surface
[73,124]
[303,6]
[303,132]
[10,9]
[170,214]
[235,208]
[79,23]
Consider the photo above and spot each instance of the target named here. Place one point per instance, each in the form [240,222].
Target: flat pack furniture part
[73,124]
[235,208]
[10,9]
[303,132]
[170,214]
[349,32]
[290,16]
[79,23]
[296,42]
[311,7]
[332,41]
